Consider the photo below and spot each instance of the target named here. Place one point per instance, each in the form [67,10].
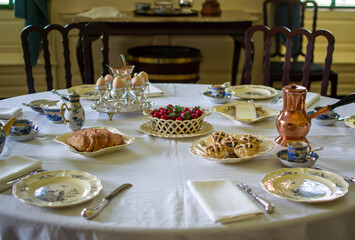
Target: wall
[216,50]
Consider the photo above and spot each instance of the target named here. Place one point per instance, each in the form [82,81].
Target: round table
[160,205]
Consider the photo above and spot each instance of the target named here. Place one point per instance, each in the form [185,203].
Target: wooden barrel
[166,63]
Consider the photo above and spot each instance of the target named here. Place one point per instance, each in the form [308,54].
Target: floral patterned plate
[305,185]
[253,91]
[198,147]
[262,112]
[54,189]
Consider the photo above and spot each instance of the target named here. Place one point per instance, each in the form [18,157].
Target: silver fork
[269,207]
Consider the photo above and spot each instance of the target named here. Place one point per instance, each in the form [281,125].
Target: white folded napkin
[17,166]
[101,12]
[154,91]
[7,113]
[223,201]
[311,98]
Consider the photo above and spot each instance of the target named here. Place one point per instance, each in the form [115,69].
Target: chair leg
[333,77]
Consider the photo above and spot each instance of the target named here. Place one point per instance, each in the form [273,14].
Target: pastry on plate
[245,149]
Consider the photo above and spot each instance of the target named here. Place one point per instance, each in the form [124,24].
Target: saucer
[310,159]
[21,138]
[226,98]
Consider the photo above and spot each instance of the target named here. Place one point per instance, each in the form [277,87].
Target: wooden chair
[286,67]
[84,31]
[291,13]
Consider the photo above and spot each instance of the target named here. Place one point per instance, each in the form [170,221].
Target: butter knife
[90,213]
[268,207]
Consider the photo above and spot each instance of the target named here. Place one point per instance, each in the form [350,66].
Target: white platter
[128,140]
[262,112]
[197,148]
[350,121]
[253,91]
[305,185]
[54,189]
[148,129]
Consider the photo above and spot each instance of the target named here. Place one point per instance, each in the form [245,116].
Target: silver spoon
[90,213]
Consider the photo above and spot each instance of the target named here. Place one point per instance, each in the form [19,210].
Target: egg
[137,81]
[118,82]
[101,82]
[144,76]
[109,78]
[128,78]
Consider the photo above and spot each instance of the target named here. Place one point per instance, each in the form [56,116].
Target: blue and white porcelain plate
[54,189]
[305,185]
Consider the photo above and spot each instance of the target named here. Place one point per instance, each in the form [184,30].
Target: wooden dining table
[231,23]
[160,205]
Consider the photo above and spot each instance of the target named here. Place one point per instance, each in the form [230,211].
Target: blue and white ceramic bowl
[21,127]
[21,138]
[53,113]
[326,119]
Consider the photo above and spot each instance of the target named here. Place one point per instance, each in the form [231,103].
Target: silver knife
[350,179]
[268,207]
[90,213]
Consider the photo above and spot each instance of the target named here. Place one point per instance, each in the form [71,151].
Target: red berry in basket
[163,112]
[164,116]
[199,112]
[186,115]
[169,112]
[157,114]
[152,112]
[178,119]
[194,116]
[172,117]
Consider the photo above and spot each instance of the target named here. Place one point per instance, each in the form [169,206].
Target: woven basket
[176,127]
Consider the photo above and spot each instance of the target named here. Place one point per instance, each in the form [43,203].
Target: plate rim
[273,91]
[129,140]
[346,121]
[232,160]
[345,185]
[92,180]
[209,128]
[277,112]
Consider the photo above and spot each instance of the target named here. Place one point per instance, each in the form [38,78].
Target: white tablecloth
[160,204]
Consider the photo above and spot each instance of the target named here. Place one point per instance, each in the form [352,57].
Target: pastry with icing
[245,149]
[216,150]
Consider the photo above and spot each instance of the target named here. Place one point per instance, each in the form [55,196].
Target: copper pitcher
[293,123]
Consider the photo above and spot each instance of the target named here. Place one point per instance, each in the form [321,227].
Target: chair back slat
[290,36]
[64,34]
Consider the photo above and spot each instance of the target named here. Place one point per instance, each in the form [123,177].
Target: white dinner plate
[305,185]
[262,112]
[86,91]
[54,189]
[128,140]
[253,91]
[148,129]
[198,147]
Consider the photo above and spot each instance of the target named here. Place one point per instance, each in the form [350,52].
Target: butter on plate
[245,111]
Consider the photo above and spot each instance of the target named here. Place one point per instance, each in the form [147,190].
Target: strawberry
[164,116]
[157,114]
[194,116]
[178,119]
[199,112]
